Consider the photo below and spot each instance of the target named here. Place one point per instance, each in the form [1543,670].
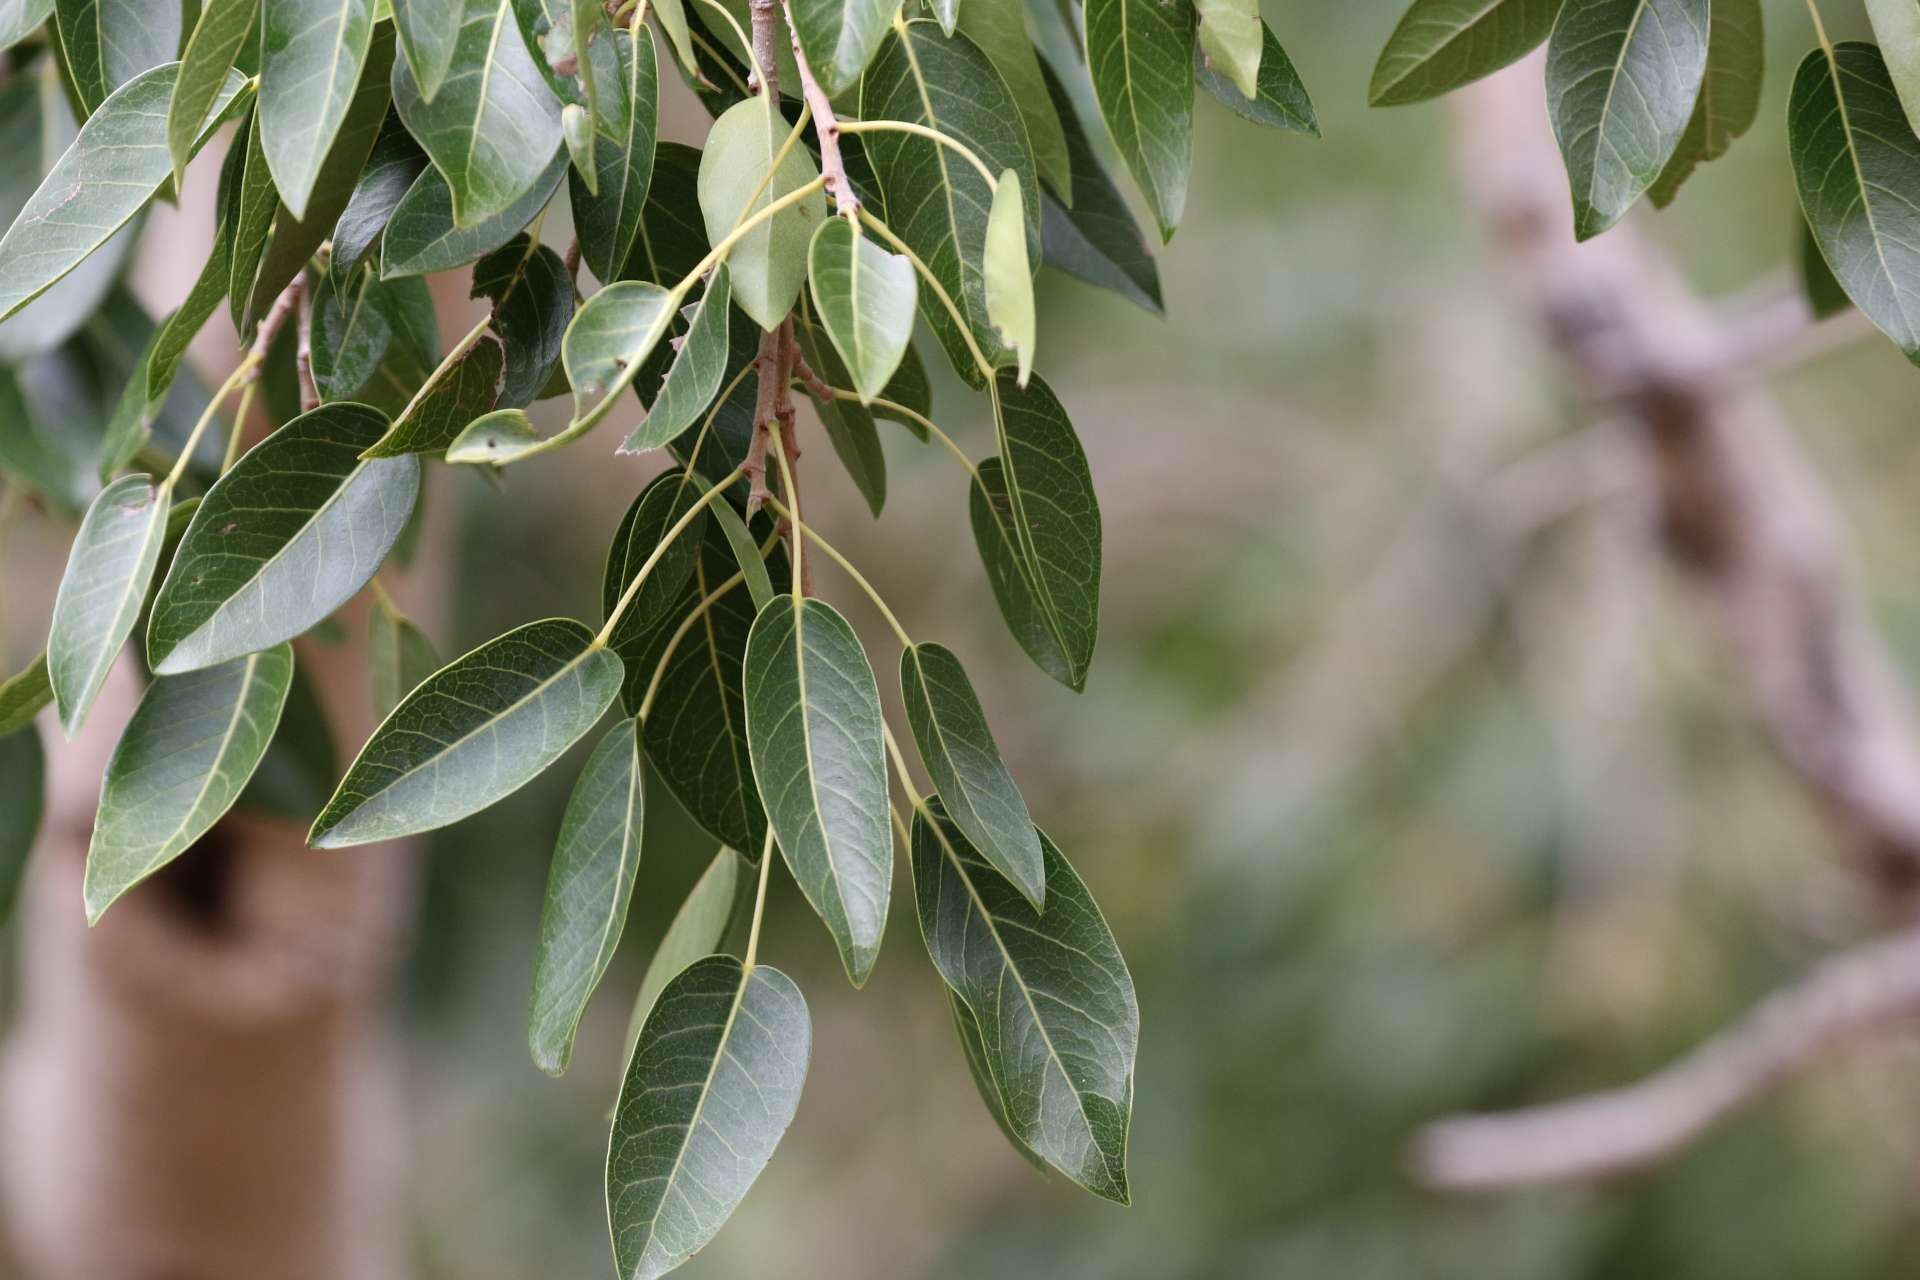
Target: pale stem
[760,899]
[933,135]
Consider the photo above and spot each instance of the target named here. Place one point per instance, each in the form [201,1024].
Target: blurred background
[1390,819]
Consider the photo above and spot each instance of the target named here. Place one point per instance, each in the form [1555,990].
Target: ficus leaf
[1896,27]
[865,296]
[23,694]
[694,377]
[532,297]
[712,1084]
[1729,94]
[311,52]
[1440,45]
[999,27]
[1097,239]
[209,55]
[395,163]
[608,219]
[358,329]
[421,237]
[106,579]
[850,425]
[973,1046]
[1824,295]
[1009,278]
[588,889]
[673,239]
[814,730]
[610,338]
[184,758]
[1231,39]
[699,928]
[1280,99]
[291,533]
[23,782]
[839,37]
[1050,994]
[255,204]
[443,408]
[107,44]
[19,18]
[428,30]
[473,733]
[399,657]
[1140,55]
[660,506]
[576,129]
[769,264]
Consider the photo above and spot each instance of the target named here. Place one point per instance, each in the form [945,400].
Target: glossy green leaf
[1896,28]
[474,732]
[108,572]
[576,130]
[694,378]
[608,220]
[1280,99]
[1443,44]
[23,785]
[110,43]
[532,297]
[588,889]
[113,167]
[204,64]
[1051,997]
[712,1084]
[815,734]
[494,124]
[973,1046]
[1096,240]
[938,203]
[839,37]
[1140,55]
[769,263]
[291,533]
[399,655]
[19,19]
[395,163]
[186,755]
[610,338]
[1729,94]
[310,60]
[999,27]
[950,729]
[660,506]
[1858,169]
[358,328]
[421,237]
[699,928]
[1231,40]
[428,30]
[673,236]
[23,695]
[1824,295]
[443,408]
[1009,278]
[865,296]
[753,565]
[1037,525]
[850,425]
[1622,80]
[255,204]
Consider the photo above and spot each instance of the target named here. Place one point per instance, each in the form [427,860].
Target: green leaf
[1729,94]
[1231,41]
[179,329]
[427,31]
[1096,240]
[452,399]
[910,390]
[356,330]
[19,19]
[673,236]
[713,1083]
[532,298]
[394,165]
[718,899]
[399,655]
[1140,55]
[950,728]
[974,1046]
[1622,80]
[815,734]
[291,533]
[1825,297]
[865,297]
[255,204]
[494,124]
[769,264]
[476,731]
[23,695]
[610,338]
[311,53]
[694,378]
[1858,168]
[106,581]
[1443,44]
[1050,994]
[1037,524]
[850,426]
[1280,100]
[999,27]
[23,780]
[1896,26]
[608,220]
[662,504]
[108,44]
[938,203]
[588,889]
[746,551]
[193,742]
[839,37]
[209,55]
[421,237]
[295,776]
[113,167]
[1009,278]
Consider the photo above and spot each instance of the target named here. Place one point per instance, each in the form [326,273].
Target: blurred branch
[1857,991]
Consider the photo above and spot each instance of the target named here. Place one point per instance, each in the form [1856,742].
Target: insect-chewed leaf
[428,30]
[1231,40]
[850,425]
[289,535]
[108,572]
[23,694]
[107,44]
[769,263]
[999,27]
[421,237]
[1051,998]
[814,731]
[610,338]
[1858,167]
[532,298]
[186,755]
[1279,100]
[1622,80]
[399,657]
[713,1083]
[1140,55]
[694,378]
[608,220]
[311,52]
[938,202]
[718,899]
[19,18]
[1443,44]
[204,63]
[1729,95]
[493,124]
[839,37]
[112,169]
[588,889]
[1037,524]
[1009,277]
[1097,239]
[950,728]
[23,770]
[661,505]
[443,408]
[473,733]
[865,297]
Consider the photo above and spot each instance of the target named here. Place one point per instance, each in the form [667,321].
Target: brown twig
[826,126]
[817,387]
[303,354]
